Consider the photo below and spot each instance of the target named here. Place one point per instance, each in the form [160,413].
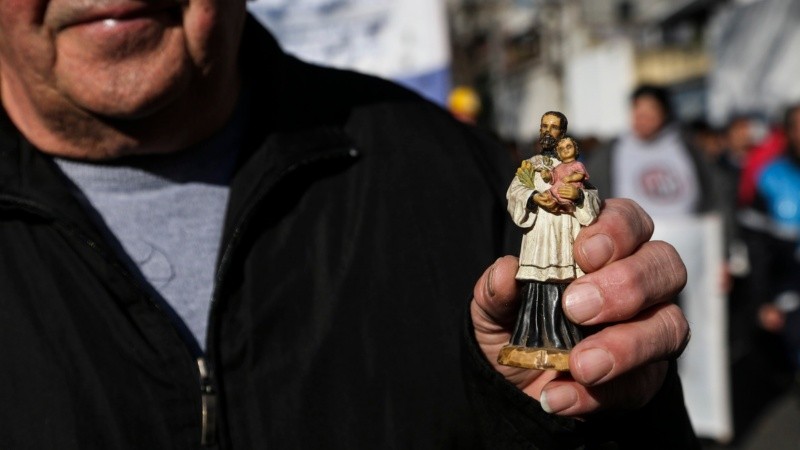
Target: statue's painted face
[566,150]
[550,131]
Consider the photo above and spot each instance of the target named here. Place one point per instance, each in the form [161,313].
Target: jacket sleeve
[509,419]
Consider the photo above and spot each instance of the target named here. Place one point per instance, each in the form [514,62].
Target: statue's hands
[569,192]
[627,290]
[573,177]
[546,201]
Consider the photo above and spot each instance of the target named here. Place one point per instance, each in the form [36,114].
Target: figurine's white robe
[546,253]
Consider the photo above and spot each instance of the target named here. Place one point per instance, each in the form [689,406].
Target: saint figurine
[550,220]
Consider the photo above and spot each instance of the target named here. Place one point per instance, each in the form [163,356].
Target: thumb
[494,310]
[495,301]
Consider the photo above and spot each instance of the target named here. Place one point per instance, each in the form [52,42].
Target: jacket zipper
[207,382]
[207,392]
[208,398]
[225,262]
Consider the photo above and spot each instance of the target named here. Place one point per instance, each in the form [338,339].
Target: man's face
[648,117]
[549,131]
[74,61]
[739,136]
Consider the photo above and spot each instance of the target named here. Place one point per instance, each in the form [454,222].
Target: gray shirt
[166,212]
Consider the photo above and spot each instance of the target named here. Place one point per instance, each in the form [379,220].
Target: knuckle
[671,264]
[654,274]
[674,331]
[648,227]
[623,292]
[640,223]
[662,270]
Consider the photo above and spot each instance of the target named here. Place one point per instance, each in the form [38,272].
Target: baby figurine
[569,172]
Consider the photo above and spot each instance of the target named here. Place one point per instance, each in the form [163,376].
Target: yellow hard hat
[463,100]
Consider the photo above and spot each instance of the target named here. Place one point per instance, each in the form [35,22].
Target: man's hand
[626,293]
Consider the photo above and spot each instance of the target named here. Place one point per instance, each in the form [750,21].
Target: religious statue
[550,204]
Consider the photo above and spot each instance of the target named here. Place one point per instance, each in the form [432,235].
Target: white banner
[404,40]
[597,85]
[704,365]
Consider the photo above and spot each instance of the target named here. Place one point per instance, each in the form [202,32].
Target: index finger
[620,229]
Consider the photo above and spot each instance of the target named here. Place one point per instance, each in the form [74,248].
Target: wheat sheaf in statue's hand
[526,173]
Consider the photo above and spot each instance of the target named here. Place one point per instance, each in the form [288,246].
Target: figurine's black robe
[541,322]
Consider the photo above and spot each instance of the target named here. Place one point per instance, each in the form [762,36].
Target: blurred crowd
[755,169]
[747,172]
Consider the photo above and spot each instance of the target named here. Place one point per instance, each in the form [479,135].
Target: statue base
[534,358]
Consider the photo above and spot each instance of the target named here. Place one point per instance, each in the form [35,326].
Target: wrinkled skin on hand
[626,292]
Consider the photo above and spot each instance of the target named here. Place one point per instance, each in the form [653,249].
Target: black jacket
[360,217]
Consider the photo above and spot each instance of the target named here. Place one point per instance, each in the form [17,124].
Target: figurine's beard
[547,142]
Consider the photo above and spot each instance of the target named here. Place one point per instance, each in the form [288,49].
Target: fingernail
[594,364]
[489,282]
[557,399]
[583,302]
[597,250]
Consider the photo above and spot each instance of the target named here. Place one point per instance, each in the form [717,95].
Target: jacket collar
[30,179]
[288,127]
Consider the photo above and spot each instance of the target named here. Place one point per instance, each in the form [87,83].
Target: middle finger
[619,291]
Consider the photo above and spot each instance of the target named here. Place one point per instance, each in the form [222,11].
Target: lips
[114,30]
[111,13]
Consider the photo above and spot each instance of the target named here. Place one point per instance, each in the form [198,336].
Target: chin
[136,109]
[131,100]
[131,85]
